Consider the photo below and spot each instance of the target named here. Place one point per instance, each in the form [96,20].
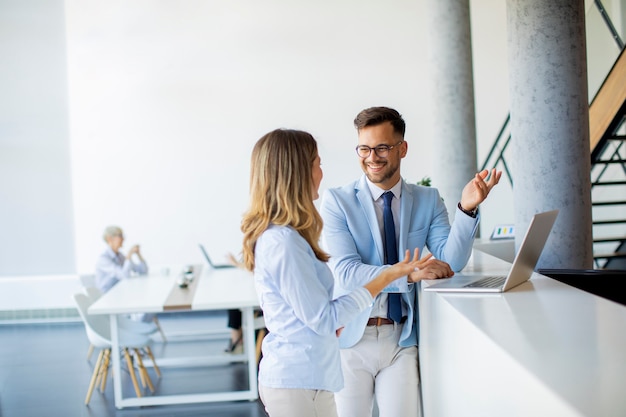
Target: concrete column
[550,125]
[451,98]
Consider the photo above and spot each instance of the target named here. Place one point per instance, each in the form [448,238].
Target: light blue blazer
[351,236]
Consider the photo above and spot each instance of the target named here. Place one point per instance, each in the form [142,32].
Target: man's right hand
[431,269]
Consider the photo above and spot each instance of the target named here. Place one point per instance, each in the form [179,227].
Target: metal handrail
[609,23]
[500,158]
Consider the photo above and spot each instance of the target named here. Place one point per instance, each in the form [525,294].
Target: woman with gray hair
[112,266]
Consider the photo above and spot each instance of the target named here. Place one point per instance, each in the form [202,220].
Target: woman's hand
[408,264]
[414,268]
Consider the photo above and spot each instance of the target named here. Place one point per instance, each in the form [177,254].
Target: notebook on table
[211,264]
[521,270]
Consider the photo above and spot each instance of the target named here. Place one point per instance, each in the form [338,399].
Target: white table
[217,289]
[542,349]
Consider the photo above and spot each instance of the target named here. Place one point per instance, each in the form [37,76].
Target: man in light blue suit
[379,354]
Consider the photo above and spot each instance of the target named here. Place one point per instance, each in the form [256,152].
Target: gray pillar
[451,99]
[550,125]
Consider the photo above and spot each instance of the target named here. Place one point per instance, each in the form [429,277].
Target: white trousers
[377,367]
[282,402]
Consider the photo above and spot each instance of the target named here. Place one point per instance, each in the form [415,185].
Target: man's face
[382,171]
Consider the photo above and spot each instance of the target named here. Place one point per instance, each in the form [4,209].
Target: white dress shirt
[380,303]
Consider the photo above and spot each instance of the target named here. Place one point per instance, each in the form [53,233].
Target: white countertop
[557,349]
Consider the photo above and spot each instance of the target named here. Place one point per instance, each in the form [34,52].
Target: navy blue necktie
[394,303]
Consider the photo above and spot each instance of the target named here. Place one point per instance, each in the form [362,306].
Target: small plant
[424,181]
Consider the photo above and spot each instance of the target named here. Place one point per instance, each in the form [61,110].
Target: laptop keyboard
[487,282]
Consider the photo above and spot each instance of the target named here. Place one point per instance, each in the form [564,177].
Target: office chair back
[87,280]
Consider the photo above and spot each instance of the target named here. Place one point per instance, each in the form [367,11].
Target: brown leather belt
[379,321]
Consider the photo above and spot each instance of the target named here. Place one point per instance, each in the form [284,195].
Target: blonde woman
[301,367]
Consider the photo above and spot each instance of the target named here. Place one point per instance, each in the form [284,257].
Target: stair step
[608,183]
[610,161]
[609,221]
[609,239]
[607,203]
[610,255]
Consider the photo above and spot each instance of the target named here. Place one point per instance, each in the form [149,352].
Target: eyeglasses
[381,150]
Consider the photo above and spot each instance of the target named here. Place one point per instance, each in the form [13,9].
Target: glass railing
[605,23]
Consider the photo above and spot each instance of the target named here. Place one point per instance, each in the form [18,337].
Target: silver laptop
[211,264]
[521,270]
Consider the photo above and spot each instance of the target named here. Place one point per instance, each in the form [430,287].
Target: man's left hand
[477,190]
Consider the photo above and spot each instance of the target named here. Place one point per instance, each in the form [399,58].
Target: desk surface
[557,348]
[217,289]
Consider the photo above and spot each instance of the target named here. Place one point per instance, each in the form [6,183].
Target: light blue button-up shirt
[295,290]
[113,267]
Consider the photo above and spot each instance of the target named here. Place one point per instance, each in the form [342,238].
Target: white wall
[491,91]
[166,103]
[166,100]
[36,215]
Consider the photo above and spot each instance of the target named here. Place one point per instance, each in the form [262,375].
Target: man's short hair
[374,116]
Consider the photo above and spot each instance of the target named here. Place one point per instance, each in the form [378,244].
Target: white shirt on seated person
[112,266]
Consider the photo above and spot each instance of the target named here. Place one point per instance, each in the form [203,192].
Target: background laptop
[208,259]
[521,270]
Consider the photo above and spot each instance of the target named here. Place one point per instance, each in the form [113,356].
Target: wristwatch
[471,213]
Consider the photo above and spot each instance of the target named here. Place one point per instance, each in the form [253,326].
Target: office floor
[44,371]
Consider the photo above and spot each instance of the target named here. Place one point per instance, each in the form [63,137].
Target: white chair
[132,325]
[124,322]
[98,332]
[87,280]
[94,294]
[160,330]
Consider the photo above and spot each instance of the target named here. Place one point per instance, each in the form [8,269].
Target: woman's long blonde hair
[281,190]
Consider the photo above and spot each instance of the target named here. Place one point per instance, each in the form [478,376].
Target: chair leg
[103,364]
[259,343]
[99,377]
[142,378]
[131,370]
[143,372]
[156,368]
[94,376]
[89,351]
[158,325]
[105,370]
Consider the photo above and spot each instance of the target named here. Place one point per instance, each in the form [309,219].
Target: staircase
[609,214]
[607,127]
